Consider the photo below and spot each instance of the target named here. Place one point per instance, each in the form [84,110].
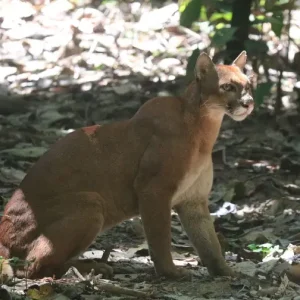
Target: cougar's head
[225,87]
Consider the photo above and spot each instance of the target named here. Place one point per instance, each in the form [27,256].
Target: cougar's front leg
[155,210]
[195,218]
[155,185]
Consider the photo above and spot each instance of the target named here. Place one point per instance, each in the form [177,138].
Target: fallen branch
[78,274]
[111,288]
[106,254]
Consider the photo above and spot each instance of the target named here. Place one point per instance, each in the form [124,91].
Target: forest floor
[64,66]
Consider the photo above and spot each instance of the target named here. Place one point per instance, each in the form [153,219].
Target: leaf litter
[66,64]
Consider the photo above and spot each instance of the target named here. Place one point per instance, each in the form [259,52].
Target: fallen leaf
[11,175]
[28,152]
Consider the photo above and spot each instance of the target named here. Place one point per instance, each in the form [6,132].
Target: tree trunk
[241,10]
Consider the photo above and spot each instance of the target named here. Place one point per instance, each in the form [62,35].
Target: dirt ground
[48,89]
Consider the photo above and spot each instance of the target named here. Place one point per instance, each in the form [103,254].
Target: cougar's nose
[247,102]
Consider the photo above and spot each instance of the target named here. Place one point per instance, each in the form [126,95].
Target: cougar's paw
[224,271]
[176,273]
[228,272]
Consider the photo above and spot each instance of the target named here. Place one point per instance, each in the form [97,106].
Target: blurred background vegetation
[267,29]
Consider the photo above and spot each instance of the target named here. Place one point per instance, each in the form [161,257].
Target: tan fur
[98,176]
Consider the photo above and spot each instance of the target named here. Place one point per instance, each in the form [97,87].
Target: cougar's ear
[241,60]
[206,73]
[204,66]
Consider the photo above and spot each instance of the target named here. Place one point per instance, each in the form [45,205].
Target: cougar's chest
[195,181]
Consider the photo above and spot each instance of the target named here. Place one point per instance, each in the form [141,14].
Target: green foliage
[222,36]
[265,249]
[191,13]
[265,11]
[255,48]
[183,4]
[276,21]
[109,2]
[262,90]
[279,5]
[217,17]
[264,19]
[278,25]
[196,10]
[15,261]
[260,248]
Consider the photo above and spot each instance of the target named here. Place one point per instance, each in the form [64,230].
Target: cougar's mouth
[241,112]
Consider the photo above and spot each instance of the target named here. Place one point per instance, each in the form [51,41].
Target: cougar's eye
[228,87]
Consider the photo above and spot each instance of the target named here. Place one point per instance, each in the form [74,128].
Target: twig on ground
[77,273]
[106,254]
[111,288]
[278,103]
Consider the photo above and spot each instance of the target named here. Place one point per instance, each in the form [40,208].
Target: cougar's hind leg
[78,219]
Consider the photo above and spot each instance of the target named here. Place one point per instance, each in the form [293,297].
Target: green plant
[265,249]
[218,13]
